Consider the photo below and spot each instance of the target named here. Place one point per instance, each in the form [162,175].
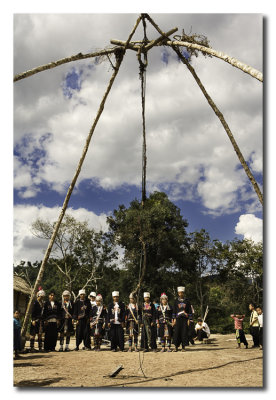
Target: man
[115,320]
[51,315]
[37,327]
[181,312]
[81,313]
[148,337]
[92,297]
[202,330]
[254,325]
[66,325]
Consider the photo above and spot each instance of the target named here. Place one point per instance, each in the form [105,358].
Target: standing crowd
[152,323]
[92,322]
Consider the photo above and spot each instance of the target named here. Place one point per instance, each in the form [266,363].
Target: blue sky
[189,154]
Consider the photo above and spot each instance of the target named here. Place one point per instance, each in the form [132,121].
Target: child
[16,334]
[133,318]
[238,322]
[164,322]
[260,319]
[98,316]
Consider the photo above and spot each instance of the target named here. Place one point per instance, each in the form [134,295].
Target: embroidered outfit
[148,337]
[133,319]
[164,319]
[51,316]
[181,313]
[66,324]
[37,325]
[116,317]
[98,315]
[81,315]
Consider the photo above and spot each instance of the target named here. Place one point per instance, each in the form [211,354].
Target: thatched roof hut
[21,293]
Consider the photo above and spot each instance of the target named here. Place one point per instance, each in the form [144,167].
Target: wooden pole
[219,115]
[119,58]
[57,63]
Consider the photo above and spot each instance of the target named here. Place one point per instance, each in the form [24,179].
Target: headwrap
[92,294]
[82,291]
[115,293]
[146,294]
[181,289]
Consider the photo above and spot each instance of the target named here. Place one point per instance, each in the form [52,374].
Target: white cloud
[188,150]
[29,248]
[250,227]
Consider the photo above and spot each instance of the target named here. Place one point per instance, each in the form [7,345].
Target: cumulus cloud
[188,150]
[29,248]
[250,227]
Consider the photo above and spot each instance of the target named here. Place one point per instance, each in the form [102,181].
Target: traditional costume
[164,320]
[133,319]
[81,313]
[37,326]
[92,298]
[181,314]
[66,325]
[98,315]
[115,319]
[51,316]
[148,337]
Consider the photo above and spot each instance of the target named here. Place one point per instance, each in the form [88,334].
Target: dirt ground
[219,364]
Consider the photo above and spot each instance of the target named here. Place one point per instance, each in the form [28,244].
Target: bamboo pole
[219,54]
[119,58]
[219,115]
[65,60]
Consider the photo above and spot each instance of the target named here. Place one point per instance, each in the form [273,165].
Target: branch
[57,63]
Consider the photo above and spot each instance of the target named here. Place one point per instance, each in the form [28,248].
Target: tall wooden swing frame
[141,48]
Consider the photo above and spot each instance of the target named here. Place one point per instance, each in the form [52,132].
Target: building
[21,294]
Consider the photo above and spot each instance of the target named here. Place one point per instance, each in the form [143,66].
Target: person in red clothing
[240,336]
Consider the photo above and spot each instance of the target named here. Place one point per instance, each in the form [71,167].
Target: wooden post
[119,58]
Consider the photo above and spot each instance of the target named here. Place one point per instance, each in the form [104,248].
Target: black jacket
[111,312]
[182,308]
[51,312]
[81,309]
[37,311]
[168,314]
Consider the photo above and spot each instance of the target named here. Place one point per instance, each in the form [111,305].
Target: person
[254,325]
[181,314]
[132,319]
[238,323]
[51,316]
[164,322]
[115,320]
[148,337]
[81,311]
[37,325]
[16,334]
[98,316]
[92,298]
[202,330]
[66,325]
[156,305]
[260,320]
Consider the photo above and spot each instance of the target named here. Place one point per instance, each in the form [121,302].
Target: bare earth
[218,364]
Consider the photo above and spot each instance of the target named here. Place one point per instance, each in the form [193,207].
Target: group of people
[255,327]
[93,320]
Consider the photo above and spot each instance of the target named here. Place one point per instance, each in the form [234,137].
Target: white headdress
[146,294]
[181,289]
[40,293]
[99,297]
[115,293]
[92,294]
[82,291]
[66,293]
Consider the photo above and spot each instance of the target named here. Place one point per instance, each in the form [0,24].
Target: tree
[162,229]
[79,252]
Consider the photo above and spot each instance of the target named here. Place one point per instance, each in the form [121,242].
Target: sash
[66,311]
[130,309]
[98,316]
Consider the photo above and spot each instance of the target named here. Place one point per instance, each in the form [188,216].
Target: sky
[189,155]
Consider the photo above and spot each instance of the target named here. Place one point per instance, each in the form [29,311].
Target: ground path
[219,364]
